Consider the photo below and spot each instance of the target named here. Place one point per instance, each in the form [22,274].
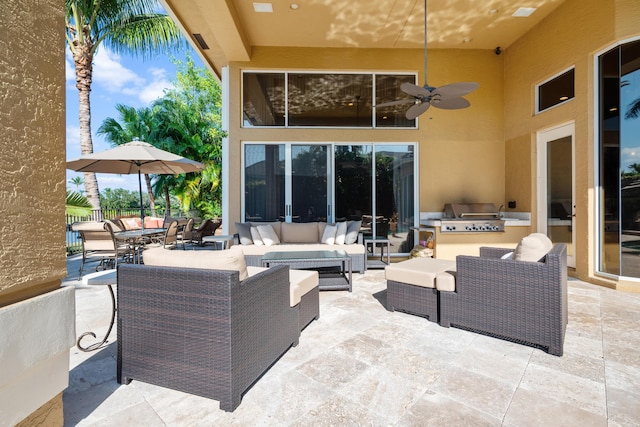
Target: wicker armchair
[202,331]
[520,301]
[208,227]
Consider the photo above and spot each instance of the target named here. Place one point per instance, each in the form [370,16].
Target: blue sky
[117,79]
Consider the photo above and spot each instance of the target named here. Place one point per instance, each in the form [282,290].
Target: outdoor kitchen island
[466,236]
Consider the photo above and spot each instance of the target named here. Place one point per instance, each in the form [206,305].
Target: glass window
[342,100]
[264,182]
[323,99]
[556,91]
[619,202]
[387,90]
[263,99]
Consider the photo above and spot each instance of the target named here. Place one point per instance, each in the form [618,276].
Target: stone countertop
[512,219]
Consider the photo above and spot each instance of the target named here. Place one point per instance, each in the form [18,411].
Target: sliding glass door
[286,182]
[297,182]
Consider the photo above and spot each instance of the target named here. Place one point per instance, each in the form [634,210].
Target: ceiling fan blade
[402,101]
[451,103]
[415,90]
[416,110]
[455,90]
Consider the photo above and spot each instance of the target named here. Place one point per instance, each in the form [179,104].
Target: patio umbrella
[135,157]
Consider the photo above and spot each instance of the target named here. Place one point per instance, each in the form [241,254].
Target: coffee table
[316,260]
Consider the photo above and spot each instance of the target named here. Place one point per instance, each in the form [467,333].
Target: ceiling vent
[203,44]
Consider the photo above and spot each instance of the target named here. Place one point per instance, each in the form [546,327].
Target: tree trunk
[167,201]
[152,200]
[83,60]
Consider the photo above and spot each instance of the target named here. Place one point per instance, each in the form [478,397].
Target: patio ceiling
[231,27]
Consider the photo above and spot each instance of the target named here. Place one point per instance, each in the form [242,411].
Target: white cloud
[112,75]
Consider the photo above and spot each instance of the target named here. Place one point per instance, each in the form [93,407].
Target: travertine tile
[534,409]
[567,388]
[434,409]
[363,365]
[481,392]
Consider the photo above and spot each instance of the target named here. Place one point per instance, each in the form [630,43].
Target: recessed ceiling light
[524,11]
[263,7]
[294,6]
[564,98]
[612,109]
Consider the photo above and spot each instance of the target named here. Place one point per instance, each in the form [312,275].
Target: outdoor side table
[225,239]
[101,278]
[383,244]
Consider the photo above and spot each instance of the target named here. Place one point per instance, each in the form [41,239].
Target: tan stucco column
[36,315]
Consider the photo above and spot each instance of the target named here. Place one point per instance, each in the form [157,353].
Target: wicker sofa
[206,331]
[522,301]
[311,236]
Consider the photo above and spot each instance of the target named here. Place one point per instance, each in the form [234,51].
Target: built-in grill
[471,217]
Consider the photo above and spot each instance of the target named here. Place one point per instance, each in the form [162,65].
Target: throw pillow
[255,236]
[341,232]
[244,231]
[532,247]
[329,235]
[268,235]
[353,228]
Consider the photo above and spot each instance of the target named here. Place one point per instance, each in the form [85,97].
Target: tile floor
[362,365]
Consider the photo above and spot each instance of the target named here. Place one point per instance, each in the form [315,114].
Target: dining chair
[186,234]
[98,244]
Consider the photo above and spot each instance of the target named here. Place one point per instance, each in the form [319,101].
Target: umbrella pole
[140,189]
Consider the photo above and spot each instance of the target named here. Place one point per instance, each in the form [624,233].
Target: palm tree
[77,181]
[77,204]
[133,26]
[140,124]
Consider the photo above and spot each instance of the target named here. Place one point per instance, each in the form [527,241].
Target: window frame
[286,73]
[555,76]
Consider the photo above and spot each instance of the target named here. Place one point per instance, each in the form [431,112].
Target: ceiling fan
[448,97]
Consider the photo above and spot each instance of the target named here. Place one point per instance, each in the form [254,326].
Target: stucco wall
[37,331]
[461,152]
[32,141]
[570,36]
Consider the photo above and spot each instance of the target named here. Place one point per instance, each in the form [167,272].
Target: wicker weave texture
[309,307]
[202,331]
[515,300]
[412,299]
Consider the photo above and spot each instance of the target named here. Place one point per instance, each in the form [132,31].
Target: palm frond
[77,204]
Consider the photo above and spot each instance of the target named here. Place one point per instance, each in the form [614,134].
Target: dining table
[137,239]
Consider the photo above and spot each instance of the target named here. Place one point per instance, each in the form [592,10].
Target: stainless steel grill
[471,217]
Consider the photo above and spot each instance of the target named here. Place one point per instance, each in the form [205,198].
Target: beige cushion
[255,236]
[353,228]
[131,223]
[446,281]
[418,271]
[532,247]
[244,232]
[300,282]
[329,235]
[275,225]
[292,232]
[268,235]
[341,232]
[228,259]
